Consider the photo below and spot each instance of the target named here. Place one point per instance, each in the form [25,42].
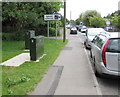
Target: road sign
[49,17]
[52,17]
[57,17]
[108,23]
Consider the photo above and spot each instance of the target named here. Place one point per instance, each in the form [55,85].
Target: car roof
[114,34]
[95,28]
[84,27]
[111,34]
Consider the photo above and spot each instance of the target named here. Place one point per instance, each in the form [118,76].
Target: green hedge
[53,32]
[20,35]
[13,36]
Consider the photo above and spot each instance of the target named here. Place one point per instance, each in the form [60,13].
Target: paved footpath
[77,77]
[70,74]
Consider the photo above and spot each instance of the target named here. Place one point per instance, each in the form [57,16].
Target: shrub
[53,32]
[15,36]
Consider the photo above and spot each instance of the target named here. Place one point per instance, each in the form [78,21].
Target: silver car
[105,54]
[90,34]
[84,29]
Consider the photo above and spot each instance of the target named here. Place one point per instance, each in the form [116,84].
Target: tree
[97,22]
[27,15]
[79,20]
[72,22]
[116,21]
[89,13]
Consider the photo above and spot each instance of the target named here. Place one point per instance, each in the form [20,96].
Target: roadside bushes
[19,35]
[53,32]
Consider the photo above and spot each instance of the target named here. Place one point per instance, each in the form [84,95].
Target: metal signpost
[52,17]
[48,28]
[56,30]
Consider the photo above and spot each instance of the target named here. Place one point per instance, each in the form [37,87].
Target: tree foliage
[116,21]
[89,13]
[114,18]
[79,20]
[72,22]
[97,22]
[27,15]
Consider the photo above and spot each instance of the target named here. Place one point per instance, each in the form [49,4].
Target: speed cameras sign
[57,17]
[52,17]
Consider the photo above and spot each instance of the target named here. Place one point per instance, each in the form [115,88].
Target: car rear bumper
[83,31]
[73,32]
[103,70]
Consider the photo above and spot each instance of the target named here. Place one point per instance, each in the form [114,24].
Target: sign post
[64,34]
[56,29]
[48,28]
[52,17]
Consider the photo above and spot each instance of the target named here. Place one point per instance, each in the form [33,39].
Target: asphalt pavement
[107,85]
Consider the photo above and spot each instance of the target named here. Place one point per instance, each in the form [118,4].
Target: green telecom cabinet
[29,34]
[36,47]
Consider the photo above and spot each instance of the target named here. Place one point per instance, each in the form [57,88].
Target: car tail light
[103,52]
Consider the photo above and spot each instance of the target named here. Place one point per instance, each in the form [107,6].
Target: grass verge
[11,49]
[23,79]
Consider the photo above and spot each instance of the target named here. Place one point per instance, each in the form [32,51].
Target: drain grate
[56,80]
[67,48]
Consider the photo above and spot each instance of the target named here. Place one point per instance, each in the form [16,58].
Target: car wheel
[95,70]
[90,54]
[86,45]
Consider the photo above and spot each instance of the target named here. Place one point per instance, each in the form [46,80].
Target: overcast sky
[76,7]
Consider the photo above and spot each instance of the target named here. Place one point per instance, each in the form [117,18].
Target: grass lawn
[23,79]
[11,49]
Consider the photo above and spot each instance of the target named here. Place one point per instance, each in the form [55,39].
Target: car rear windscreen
[114,46]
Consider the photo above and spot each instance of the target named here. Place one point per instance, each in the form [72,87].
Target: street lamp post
[64,34]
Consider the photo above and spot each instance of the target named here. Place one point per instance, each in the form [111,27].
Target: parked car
[73,30]
[77,26]
[80,27]
[68,26]
[105,54]
[84,29]
[90,34]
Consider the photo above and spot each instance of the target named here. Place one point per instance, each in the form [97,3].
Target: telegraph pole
[64,34]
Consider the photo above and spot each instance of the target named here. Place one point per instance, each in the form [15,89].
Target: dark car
[73,30]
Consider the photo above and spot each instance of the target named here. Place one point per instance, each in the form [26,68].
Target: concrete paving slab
[17,60]
[49,83]
[76,78]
